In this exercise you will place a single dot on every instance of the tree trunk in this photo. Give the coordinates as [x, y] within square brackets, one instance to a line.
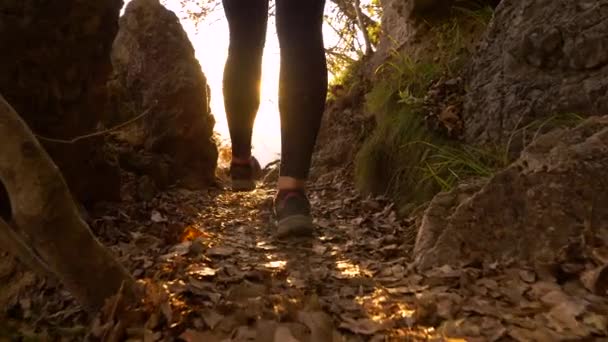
[46, 230]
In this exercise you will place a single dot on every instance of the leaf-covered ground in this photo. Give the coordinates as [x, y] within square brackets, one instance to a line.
[215, 273]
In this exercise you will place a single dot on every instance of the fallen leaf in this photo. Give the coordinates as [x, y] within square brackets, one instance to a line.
[283, 334]
[201, 271]
[244, 333]
[364, 326]
[220, 251]
[597, 322]
[320, 324]
[165, 308]
[157, 217]
[563, 316]
[596, 280]
[191, 335]
[246, 290]
[406, 289]
[211, 318]
[177, 250]
[554, 298]
[319, 249]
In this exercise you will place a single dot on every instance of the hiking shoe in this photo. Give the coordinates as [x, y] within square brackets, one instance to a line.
[244, 175]
[292, 211]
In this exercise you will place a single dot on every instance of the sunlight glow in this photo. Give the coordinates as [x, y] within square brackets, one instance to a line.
[210, 41]
[349, 270]
[377, 304]
[278, 264]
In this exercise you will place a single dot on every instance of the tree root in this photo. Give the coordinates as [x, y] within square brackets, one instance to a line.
[46, 231]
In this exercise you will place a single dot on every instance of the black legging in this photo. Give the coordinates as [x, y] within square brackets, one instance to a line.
[302, 82]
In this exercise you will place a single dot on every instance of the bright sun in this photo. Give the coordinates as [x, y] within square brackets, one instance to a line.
[210, 41]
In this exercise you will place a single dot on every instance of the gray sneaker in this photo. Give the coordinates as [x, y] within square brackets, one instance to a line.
[244, 176]
[292, 211]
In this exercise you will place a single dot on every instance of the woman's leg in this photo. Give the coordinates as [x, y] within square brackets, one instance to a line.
[303, 85]
[302, 95]
[247, 21]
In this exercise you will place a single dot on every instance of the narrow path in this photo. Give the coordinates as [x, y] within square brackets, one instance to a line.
[230, 276]
[214, 272]
[230, 280]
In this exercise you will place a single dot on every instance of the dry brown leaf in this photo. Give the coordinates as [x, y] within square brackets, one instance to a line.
[198, 336]
[363, 326]
[201, 271]
[401, 290]
[319, 249]
[563, 317]
[596, 280]
[180, 249]
[244, 333]
[220, 251]
[554, 298]
[211, 318]
[165, 308]
[157, 217]
[598, 323]
[283, 334]
[527, 276]
[246, 290]
[320, 324]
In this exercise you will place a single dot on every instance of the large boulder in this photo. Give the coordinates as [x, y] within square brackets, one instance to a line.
[54, 66]
[556, 193]
[156, 69]
[540, 58]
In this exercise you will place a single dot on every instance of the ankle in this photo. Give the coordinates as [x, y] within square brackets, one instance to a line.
[241, 160]
[290, 183]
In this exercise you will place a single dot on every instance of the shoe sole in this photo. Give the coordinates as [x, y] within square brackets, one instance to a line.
[243, 185]
[295, 226]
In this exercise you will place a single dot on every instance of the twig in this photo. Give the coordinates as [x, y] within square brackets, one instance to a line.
[96, 134]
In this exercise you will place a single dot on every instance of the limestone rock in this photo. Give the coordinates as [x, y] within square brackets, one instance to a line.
[54, 66]
[531, 210]
[539, 58]
[155, 65]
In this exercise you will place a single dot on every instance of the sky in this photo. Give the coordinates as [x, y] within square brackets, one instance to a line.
[210, 41]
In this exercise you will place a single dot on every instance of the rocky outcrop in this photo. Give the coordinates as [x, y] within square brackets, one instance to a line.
[410, 27]
[556, 193]
[54, 66]
[539, 58]
[156, 68]
[401, 30]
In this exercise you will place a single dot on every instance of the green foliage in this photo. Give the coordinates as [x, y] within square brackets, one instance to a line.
[404, 83]
[402, 158]
[449, 164]
[389, 164]
[349, 76]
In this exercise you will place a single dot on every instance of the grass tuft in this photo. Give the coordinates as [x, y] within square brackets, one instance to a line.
[402, 158]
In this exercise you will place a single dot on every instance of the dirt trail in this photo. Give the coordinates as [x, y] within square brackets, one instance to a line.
[228, 279]
[232, 276]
